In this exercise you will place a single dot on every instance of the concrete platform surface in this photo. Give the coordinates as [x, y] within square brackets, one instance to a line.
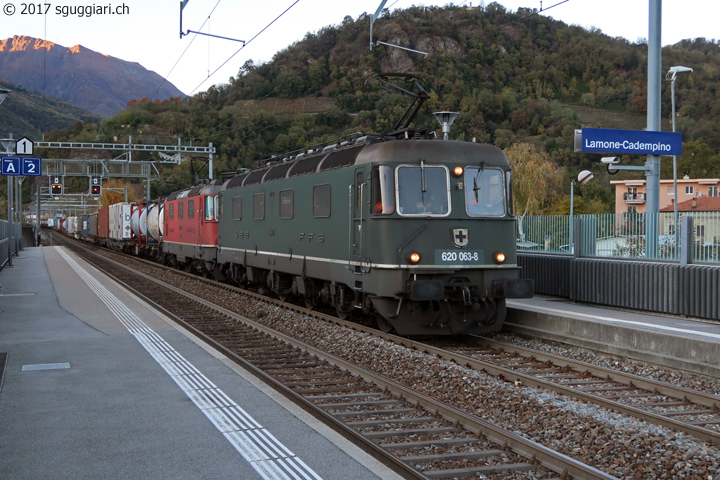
[98, 385]
[676, 342]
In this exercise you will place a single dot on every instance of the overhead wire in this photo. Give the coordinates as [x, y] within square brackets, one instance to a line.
[376, 53]
[244, 45]
[290, 78]
[185, 51]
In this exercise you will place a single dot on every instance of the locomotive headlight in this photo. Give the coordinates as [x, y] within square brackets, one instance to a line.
[458, 171]
[499, 257]
[414, 258]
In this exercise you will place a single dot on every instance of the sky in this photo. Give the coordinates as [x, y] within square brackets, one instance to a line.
[148, 31]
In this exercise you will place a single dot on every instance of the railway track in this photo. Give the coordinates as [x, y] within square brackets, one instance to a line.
[414, 434]
[681, 409]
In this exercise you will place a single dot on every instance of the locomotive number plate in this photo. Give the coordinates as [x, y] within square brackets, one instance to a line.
[458, 257]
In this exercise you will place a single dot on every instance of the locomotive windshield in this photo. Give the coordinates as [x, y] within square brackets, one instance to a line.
[423, 190]
[484, 191]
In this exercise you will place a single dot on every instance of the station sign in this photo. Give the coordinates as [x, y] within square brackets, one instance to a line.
[628, 142]
[22, 166]
[24, 146]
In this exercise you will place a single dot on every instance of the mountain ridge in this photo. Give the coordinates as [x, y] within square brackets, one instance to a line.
[94, 81]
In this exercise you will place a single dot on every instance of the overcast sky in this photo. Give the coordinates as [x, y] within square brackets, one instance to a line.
[147, 31]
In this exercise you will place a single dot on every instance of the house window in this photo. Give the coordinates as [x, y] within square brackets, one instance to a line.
[689, 190]
[259, 206]
[632, 209]
[237, 208]
[713, 191]
[321, 201]
[191, 208]
[700, 231]
[287, 206]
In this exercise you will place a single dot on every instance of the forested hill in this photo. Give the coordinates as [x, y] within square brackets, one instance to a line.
[514, 77]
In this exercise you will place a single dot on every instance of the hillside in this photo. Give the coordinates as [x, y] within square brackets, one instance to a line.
[514, 78]
[99, 83]
[24, 113]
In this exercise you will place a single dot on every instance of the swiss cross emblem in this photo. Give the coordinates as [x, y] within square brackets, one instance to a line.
[460, 237]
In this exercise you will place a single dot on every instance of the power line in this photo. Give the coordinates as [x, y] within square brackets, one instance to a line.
[244, 45]
[376, 54]
[186, 49]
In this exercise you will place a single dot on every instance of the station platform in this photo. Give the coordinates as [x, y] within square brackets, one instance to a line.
[96, 384]
[682, 343]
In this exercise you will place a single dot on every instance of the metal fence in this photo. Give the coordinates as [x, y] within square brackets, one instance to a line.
[9, 245]
[694, 238]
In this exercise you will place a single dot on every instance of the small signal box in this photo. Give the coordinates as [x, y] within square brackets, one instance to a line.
[56, 189]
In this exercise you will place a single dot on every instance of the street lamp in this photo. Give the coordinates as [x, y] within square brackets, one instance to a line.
[583, 177]
[672, 73]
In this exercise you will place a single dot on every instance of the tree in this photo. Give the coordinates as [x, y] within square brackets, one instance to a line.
[536, 180]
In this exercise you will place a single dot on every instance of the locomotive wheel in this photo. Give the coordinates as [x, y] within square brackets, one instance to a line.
[383, 324]
[283, 296]
[342, 314]
[309, 302]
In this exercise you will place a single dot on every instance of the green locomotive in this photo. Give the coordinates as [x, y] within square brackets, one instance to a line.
[418, 232]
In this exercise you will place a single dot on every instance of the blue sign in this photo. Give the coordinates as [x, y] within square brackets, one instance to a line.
[27, 166]
[631, 142]
[31, 166]
[10, 165]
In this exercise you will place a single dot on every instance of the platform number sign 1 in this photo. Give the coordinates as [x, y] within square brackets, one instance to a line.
[24, 146]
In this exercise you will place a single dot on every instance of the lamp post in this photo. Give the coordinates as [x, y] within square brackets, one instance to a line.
[672, 73]
[583, 177]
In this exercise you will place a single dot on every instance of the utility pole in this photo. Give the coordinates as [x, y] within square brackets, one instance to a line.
[653, 125]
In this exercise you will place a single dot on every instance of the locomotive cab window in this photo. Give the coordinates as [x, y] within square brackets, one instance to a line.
[259, 206]
[286, 204]
[321, 201]
[210, 208]
[237, 208]
[191, 208]
[484, 191]
[383, 190]
[423, 190]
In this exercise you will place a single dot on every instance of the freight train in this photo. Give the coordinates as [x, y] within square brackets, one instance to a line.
[415, 231]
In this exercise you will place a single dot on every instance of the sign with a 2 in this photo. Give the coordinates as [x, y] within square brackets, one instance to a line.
[23, 166]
